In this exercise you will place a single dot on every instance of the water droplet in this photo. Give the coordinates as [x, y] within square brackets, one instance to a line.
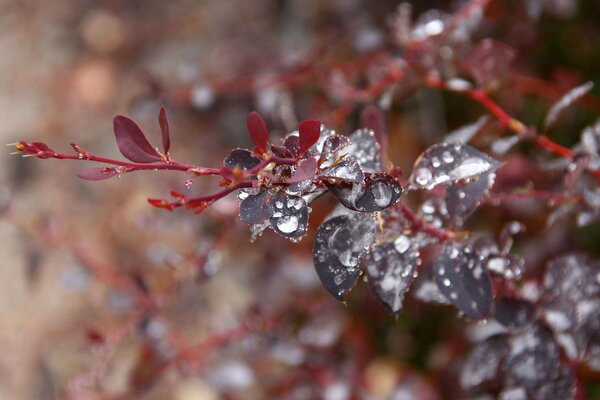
[435, 162]
[423, 176]
[288, 224]
[402, 243]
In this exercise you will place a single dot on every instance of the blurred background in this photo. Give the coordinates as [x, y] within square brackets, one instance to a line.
[100, 292]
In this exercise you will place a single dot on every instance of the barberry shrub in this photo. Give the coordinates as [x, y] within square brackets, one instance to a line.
[410, 235]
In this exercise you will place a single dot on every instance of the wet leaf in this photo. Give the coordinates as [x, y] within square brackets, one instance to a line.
[305, 171]
[533, 358]
[309, 133]
[373, 119]
[365, 149]
[565, 102]
[254, 208]
[462, 199]
[482, 367]
[257, 129]
[164, 128]
[378, 192]
[132, 142]
[561, 387]
[341, 243]
[347, 170]
[512, 312]
[98, 174]
[489, 62]
[462, 278]
[331, 148]
[391, 268]
[288, 215]
[242, 159]
[449, 163]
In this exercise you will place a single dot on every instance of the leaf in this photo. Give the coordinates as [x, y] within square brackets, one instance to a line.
[288, 215]
[565, 102]
[305, 171]
[331, 147]
[254, 208]
[257, 128]
[482, 365]
[365, 149]
[340, 245]
[378, 192]
[98, 174]
[347, 170]
[449, 163]
[132, 142]
[242, 159]
[164, 128]
[391, 268]
[533, 358]
[463, 280]
[489, 62]
[463, 199]
[309, 133]
[512, 312]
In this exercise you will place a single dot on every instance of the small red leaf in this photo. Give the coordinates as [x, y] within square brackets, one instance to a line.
[257, 128]
[310, 130]
[164, 127]
[372, 118]
[132, 142]
[161, 203]
[98, 174]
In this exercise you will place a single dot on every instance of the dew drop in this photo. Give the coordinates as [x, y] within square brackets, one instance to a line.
[402, 243]
[288, 224]
[423, 176]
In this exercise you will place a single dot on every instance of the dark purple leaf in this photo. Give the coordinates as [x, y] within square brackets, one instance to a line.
[309, 133]
[254, 208]
[346, 170]
[242, 159]
[257, 129]
[340, 245]
[281, 151]
[391, 268]
[98, 174]
[291, 143]
[331, 147]
[533, 358]
[378, 192]
[482, 367]
[449, 163]
[561, 387]
[288, 215]
[132, 142]
[164, 128]
[512, 312]
[305, 171]
[462, 199]
[462, 278]
[489, 62]
[365, 149]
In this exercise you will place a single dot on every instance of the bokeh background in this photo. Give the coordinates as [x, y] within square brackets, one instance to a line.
[75, 255]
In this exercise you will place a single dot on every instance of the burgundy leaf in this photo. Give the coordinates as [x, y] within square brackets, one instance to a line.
[132, 142]
[257, 128]
[310, 130]
[306, 170]
[98, 174]
[164, 127]
[340, 245]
